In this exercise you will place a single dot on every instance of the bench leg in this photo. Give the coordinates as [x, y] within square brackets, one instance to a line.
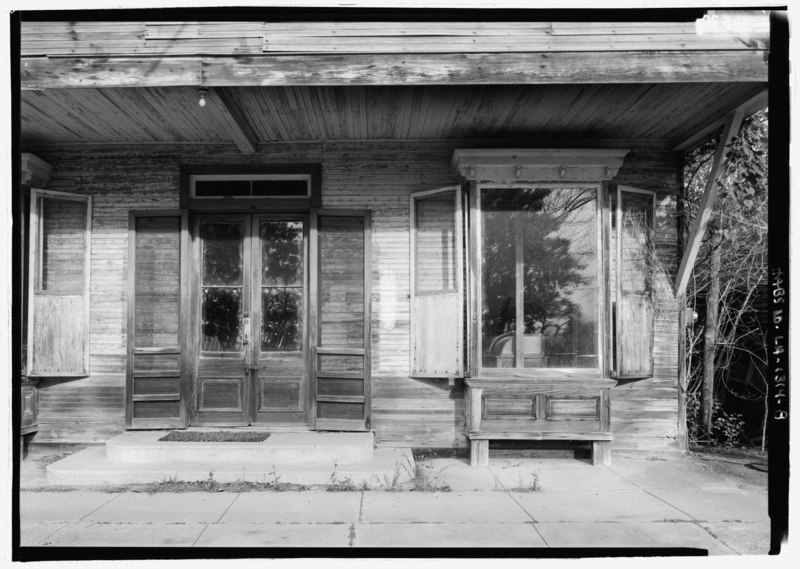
[479, 453]
[601, 453]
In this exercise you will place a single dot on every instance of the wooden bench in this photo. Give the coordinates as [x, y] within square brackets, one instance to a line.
[551, 408]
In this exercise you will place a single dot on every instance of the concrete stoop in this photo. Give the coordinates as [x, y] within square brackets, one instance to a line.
[308, 458]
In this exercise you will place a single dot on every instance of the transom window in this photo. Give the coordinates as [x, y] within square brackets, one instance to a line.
[539, 252]
[251, 186]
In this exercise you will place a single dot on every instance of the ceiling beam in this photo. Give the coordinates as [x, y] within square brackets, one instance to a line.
[38, 73]
[233, 120]
[750, 106]
[720, 163]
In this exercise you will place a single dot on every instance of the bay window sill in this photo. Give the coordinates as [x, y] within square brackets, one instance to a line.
[532, 374]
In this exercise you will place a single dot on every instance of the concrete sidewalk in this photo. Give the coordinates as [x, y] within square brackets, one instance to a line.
[536, 503]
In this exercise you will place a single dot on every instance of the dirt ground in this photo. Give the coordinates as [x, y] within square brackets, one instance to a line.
[747, 466]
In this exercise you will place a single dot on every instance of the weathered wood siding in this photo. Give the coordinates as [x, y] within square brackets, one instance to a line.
[377, 176]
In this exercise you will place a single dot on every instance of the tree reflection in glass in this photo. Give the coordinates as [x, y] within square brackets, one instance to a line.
[545, 239]
[222, 244]
[222, 315]
[281, 286]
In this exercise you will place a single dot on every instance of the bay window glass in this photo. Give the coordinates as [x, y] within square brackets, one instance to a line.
[539, 277]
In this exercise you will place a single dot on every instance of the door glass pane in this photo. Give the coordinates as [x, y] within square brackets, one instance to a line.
[222, 253]
[281, 253]
[222, 243]
[539, 259]
[281, 319]
[222, 317]
[282, 283]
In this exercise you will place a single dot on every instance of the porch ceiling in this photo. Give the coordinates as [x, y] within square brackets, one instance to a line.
[664, 113]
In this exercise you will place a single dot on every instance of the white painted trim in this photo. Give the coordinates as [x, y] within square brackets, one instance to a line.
[562, 165]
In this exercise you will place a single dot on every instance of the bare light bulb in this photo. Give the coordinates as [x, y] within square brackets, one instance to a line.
[202, 92]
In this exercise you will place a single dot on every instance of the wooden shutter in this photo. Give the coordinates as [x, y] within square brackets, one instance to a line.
[58, 307]
[339, 319]
[634, 316]
[158, 253]
[437, 292]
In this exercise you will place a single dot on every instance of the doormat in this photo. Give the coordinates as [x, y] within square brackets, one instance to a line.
[215, 437]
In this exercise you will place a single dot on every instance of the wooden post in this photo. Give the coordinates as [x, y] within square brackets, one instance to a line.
[475, 408]
[479, 448]
[519, 308]
[479, 452]
[683, 441]
[601, 453]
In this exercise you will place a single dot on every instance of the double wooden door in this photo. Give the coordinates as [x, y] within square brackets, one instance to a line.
[250, 318]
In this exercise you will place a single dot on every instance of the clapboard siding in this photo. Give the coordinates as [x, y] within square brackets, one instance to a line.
[377, 176]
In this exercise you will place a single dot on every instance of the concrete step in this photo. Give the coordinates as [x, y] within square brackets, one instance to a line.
[91, 467]
[137, 447]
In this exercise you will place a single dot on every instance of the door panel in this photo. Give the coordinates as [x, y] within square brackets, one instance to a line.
[222, 390]
[280, 295]
[340, 320]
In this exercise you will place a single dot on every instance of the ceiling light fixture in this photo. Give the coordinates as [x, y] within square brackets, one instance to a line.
[202, 91]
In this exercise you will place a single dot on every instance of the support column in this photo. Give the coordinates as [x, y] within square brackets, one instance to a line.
[601, 453]
[479, 452]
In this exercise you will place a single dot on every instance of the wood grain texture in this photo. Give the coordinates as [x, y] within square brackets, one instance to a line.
[628, 67]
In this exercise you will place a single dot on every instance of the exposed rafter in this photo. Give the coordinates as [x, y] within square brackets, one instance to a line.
[732, 125]
[233, 119]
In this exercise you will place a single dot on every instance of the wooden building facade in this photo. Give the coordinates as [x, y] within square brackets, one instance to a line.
[444, 232]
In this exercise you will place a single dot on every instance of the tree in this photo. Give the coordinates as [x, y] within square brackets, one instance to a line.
[730, 273]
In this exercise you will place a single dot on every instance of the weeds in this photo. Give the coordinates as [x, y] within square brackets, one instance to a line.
[428, 480]
[276, 483]
[533, 485]
[391, 482]
[210, 484]
[340, 484]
